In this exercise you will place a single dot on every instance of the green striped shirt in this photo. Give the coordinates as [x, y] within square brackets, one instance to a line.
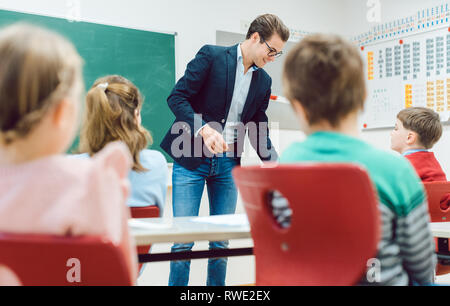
[404, 209]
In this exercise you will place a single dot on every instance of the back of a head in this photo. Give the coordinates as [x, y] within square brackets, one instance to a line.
[325, 73]
[39, 68]
[425, 122]
[113, 105]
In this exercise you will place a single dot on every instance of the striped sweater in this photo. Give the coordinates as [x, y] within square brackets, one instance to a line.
[406, 248]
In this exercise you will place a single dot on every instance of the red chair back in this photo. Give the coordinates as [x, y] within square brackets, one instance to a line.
[145, 212]
[142, 213]
[436, 191]
[44, 260]
[334, 227]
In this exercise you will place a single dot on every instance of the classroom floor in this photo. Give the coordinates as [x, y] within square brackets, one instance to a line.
[240, 271]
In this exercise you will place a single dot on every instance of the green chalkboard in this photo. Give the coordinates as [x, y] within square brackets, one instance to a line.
[145, 58]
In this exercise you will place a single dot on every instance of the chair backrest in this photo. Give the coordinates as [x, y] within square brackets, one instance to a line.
[436, 192]
[145, 212]
[334, 228]
[42, 260]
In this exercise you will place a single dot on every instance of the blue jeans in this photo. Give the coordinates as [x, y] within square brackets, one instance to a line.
[187, 192]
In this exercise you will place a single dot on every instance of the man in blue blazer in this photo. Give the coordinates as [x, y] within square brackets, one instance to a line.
[223, 95]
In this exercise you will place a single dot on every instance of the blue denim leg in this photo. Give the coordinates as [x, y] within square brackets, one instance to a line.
[217, 267]
[222, 194]
[187, 190]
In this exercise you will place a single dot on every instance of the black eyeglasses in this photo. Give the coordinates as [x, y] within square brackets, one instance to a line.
[272, 52]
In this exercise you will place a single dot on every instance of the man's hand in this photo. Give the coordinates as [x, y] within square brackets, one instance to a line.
[213, 140]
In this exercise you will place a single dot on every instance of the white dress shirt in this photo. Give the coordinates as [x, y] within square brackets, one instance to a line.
[240, 93]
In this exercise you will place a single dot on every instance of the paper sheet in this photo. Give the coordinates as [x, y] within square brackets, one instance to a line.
[231, 220]
[137, 224]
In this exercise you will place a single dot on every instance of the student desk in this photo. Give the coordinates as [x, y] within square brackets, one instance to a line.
[189, 229]
[211, 228]
[440, 229]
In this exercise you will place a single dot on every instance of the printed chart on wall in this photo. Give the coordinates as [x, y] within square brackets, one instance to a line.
[408, 64]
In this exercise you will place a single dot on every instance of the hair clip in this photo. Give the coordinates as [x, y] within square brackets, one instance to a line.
[103, 86]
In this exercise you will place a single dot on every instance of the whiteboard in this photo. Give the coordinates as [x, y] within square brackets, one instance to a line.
[410, 70]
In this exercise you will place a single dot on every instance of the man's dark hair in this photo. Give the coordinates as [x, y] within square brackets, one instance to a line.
[267, 25]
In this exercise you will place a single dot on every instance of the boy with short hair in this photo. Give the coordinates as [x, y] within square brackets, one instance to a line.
[416, 131]
[324, 80]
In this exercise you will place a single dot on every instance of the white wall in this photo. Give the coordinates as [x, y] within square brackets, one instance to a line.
[357, 23]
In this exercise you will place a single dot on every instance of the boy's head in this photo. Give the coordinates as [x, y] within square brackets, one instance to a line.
[324, 79]
[416, 128]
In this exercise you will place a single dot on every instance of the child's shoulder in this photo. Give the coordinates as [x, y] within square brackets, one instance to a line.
[152, 154]
[397, 182]
[153, 157]
[293, 152]
[386, 160]
[114, 157]
[373, 158]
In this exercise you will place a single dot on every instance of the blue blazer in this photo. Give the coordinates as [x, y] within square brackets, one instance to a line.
[203, 95]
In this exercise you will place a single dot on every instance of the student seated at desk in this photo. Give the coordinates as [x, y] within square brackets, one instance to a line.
[416, 131]
[324, 80]
[113, 113]
[41, 190]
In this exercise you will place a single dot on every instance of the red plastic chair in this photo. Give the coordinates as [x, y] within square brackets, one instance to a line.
[142, 213]
[44, 260]
[436, 191]
[145, 212]
[334, 229]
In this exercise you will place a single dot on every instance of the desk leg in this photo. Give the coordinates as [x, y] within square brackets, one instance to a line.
[443, 245]
[443, 253]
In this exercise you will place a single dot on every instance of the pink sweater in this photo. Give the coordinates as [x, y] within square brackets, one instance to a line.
[67, 196]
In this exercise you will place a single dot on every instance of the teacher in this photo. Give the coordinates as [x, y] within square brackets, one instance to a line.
[223, 95]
